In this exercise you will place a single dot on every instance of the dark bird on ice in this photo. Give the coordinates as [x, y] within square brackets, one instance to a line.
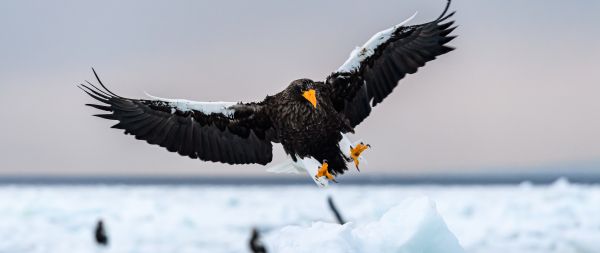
[256, 245]
[309, 118]
[100, 234]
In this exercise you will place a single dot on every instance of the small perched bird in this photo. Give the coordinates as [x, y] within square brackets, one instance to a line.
[100, 234]
[309, 118]
[256, 245]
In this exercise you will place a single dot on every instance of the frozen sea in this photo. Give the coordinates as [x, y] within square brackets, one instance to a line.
[560, 217]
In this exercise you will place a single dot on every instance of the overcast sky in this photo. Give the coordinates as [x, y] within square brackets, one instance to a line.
[522, 90]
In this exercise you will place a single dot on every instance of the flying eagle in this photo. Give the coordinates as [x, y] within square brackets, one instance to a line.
[309, 118]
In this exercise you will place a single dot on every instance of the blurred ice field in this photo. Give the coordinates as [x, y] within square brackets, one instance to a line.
[561, 217]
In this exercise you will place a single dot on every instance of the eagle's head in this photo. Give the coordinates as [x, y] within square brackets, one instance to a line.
[305, 90]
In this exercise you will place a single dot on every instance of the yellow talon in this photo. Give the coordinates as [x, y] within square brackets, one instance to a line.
[356, 151]
[324, 172]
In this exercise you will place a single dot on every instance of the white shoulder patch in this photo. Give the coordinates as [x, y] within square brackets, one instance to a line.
[359, 54]
[204, 107]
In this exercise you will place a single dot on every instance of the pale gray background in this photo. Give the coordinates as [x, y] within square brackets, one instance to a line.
[520, 93]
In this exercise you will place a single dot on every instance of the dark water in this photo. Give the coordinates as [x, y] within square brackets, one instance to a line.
[463, 179]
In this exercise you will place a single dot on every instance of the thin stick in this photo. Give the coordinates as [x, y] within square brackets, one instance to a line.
[335, 211]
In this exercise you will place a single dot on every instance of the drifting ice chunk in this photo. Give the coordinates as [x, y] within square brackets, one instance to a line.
[412, 226]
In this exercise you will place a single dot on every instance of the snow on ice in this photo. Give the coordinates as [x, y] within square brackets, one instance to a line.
[414, 225]
[526, 218]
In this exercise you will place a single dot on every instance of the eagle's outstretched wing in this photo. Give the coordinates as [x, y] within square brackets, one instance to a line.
[373, 70]
[233, 133]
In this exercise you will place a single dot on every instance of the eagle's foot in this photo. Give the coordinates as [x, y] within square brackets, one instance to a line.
[324, 172]
[356, 151]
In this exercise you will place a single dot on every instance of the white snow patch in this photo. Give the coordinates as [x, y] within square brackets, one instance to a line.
[359, 54]
[414, 225]
[204, 107]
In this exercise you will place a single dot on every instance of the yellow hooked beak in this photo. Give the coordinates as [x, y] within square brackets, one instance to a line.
[311, 96]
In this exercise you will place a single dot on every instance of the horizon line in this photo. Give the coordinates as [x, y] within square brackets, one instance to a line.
[433, 179]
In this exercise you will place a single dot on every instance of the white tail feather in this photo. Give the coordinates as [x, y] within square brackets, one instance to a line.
[311, 166]
[286, 167]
